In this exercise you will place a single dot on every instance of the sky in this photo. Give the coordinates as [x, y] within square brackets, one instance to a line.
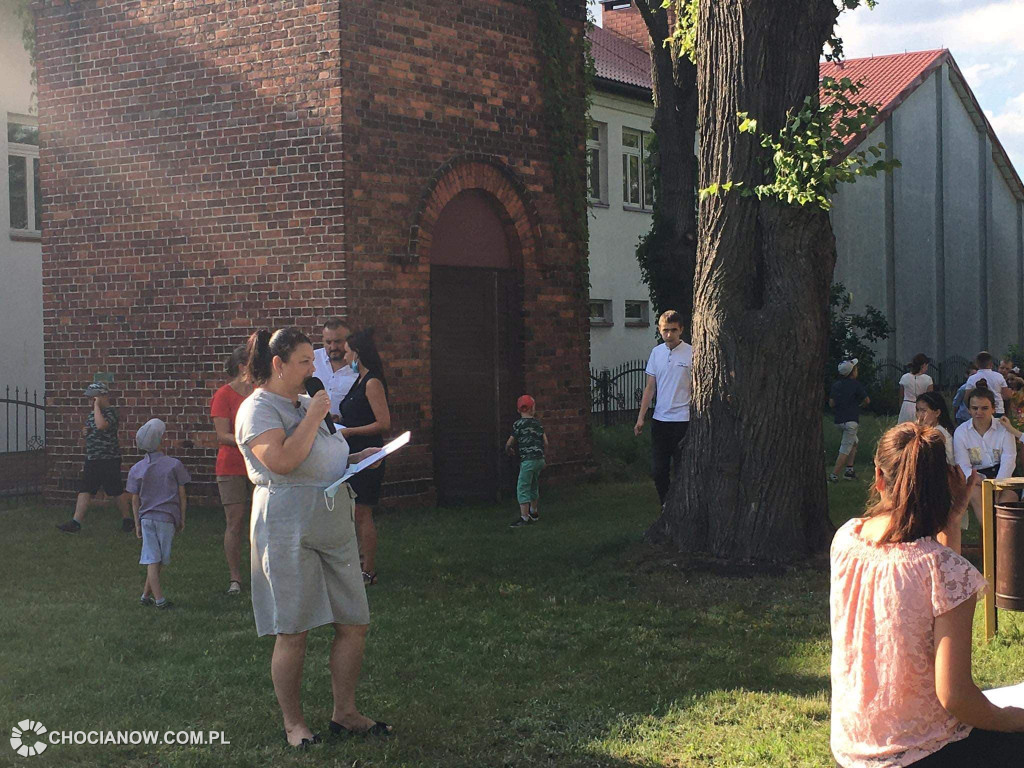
[985, 38]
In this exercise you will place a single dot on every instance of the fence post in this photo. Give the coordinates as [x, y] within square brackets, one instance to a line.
[605, 394]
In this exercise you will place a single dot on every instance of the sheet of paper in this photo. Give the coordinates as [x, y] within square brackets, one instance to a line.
[387, 450]
[1010, 696]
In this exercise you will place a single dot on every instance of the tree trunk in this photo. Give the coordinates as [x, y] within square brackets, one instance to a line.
[671, 252]
[750, 485]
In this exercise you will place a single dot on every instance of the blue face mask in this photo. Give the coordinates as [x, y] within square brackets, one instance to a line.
[355, 366]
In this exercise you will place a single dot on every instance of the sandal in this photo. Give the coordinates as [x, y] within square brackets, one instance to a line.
[305, 743]
[234, 587]
[369, 579]
[379, 728]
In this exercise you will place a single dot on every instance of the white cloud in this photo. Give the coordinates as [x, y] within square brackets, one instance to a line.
[1009, 122]
[976, 74]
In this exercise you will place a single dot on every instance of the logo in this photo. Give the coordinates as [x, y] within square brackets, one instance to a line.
[23, 734]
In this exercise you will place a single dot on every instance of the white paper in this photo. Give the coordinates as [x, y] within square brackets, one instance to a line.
[387, 450]
[1010, 696]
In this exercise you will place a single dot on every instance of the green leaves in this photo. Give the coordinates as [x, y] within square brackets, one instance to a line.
[808, 156]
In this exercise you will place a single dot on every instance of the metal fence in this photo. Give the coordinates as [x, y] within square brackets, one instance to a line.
[947, 374]
[615, 393]
[22, 446]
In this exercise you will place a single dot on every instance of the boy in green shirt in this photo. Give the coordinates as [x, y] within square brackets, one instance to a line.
[529, 435]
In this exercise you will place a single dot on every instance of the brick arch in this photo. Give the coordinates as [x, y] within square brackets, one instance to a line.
[477, 173]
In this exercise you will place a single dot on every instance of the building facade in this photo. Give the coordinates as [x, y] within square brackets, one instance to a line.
[218, 168]
[21, 207]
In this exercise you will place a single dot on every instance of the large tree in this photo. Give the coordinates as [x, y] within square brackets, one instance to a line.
[750, 484]
[668, 253]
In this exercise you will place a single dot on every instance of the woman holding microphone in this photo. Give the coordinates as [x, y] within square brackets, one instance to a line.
[305, 561]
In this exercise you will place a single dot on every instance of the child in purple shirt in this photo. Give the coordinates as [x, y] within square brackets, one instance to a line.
[157, 485]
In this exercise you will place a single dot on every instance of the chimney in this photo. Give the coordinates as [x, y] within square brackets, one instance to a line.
[623, 18]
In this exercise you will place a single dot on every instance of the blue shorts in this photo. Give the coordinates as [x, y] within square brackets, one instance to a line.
[157, 536]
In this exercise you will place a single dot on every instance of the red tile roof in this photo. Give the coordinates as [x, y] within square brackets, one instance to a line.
[619, 59]
[888, 80]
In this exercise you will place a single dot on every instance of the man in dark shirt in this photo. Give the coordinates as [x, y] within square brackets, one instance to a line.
[102, 461]
[847, 397]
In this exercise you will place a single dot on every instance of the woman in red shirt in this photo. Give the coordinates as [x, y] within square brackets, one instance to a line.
[232, 481]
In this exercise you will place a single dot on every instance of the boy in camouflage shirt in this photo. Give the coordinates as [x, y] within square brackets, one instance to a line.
[528, 435]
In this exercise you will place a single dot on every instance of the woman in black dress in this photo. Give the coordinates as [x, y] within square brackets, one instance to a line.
[365, 416]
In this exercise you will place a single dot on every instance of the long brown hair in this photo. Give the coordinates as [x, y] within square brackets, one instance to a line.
[917, 480]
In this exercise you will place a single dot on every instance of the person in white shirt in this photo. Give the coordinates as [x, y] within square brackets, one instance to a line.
[993, 380]
[330, 367]
[915, 382]
[669, 369]
[984, 445]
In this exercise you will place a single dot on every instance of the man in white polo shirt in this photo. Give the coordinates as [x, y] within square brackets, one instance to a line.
[329, 364]
[668, 378]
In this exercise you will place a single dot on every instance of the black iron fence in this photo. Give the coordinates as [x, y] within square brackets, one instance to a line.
[22, 446]
[615, 393]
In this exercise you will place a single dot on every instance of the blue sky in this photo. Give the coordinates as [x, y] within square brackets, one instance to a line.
[985, 38]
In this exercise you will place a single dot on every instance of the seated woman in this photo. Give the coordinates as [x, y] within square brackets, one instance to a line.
[984, 445]
[305, 563]
[902, 608]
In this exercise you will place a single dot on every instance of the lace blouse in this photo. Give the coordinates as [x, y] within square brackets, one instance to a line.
[884, 599]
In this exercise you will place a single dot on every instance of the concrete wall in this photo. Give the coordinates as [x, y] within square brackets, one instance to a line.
[21, 301]
[614, 233]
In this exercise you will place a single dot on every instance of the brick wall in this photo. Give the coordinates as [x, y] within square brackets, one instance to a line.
[215, 166]
[627, 22]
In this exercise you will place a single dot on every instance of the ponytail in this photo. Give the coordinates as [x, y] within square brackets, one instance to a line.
[917, 478]
[258, 358]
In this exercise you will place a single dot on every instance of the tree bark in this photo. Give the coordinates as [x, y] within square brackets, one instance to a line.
[750, 483]
[672, 248]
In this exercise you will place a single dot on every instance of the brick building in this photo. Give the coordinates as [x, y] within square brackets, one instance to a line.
[212, 166]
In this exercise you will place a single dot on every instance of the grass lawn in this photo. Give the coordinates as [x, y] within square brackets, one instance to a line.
[568, 643]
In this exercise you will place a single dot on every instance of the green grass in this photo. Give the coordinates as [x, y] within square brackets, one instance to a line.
[569, 643]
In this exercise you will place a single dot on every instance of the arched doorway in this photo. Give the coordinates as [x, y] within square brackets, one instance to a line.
[476, 346]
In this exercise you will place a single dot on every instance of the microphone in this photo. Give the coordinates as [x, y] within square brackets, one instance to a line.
[314, 385]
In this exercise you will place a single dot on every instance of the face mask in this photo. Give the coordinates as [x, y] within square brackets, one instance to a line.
[355, 366]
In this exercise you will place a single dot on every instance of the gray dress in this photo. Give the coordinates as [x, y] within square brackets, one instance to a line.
[304, 557]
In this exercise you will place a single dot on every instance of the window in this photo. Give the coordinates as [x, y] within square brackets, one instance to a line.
[596, 183]
[636, 313]
[637, 180]
[26, 200]
[600, 312]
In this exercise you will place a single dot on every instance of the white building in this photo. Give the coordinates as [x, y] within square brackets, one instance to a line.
[21, 287]
[937, 245]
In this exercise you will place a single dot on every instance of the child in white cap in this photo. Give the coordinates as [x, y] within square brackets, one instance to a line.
[846, 398]
[157, 485]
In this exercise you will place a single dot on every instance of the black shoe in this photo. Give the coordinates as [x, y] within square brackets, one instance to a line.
[146, 600]
[165, 605]
[305, 743]
[849, 474]
[127, 525]
[534, 518]
[520, 522]
[71, 526]
[379, 728]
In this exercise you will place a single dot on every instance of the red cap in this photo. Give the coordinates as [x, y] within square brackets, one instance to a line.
[525, 403]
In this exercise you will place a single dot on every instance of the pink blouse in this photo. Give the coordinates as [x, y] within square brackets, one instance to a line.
[884, 600]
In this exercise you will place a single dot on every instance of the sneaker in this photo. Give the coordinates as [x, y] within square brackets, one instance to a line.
[519, 523]
[127, 525]
[165, 605]
[849, 474]
[147, 600]
[832, 478]
[71, 526]
[534, 518]
[235, 588]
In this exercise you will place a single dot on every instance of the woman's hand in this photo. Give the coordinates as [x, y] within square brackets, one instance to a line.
[319, 406]
[1005, 421]
[355, 458]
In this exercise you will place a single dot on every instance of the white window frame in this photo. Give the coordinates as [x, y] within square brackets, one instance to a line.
[606, 318]
[639, 154]
[31, 154]
[644, 320]
[597, 141]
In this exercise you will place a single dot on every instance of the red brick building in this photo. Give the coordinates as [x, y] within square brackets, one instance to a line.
[212, 166]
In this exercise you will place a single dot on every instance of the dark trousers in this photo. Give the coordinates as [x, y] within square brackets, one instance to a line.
[665, 438]
[982, 748]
